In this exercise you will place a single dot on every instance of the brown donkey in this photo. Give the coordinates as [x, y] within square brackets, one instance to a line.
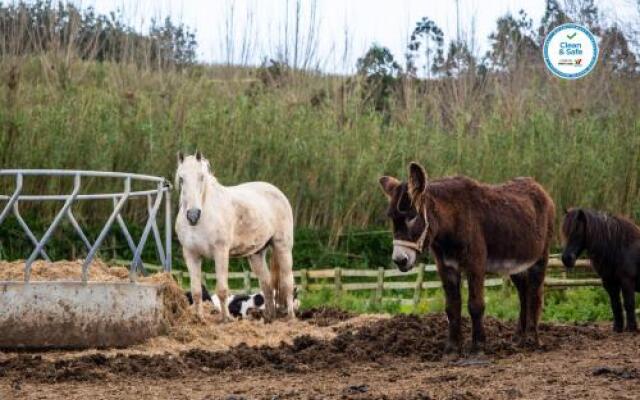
[476, 228]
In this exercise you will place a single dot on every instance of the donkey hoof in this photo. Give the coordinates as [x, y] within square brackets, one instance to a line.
[452, 348]
[477, 349]
[632, 329]
[618, 328]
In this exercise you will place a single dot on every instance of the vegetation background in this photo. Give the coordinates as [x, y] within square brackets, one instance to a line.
[87, 91]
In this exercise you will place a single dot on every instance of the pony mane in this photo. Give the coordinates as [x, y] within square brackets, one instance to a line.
[606, 235]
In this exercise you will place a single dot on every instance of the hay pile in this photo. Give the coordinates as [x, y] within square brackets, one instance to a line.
[41, 270]
[183, 330]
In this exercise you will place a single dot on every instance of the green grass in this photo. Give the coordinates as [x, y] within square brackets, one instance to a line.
[570, 305]
[326, 155]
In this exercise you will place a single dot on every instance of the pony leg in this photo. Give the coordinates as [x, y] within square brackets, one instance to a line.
[222, 281]
[629, 299]
[194, 265]
[284, 259]
[258, 265]
[613, 289]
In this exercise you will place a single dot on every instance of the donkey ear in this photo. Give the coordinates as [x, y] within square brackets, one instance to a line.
[565, 211]
[198, 155]
[180, 157]
[388, 184]
[417, 180]
[581, 215]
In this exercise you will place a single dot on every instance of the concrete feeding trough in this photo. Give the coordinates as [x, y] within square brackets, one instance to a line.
[78, 315]
[82, 313]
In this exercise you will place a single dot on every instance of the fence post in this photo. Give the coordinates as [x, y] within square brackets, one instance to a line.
[337, 280]
[208, 282]
[380, 287]
[247, 282]
[506, 286]
[304, 280]
[418, 290]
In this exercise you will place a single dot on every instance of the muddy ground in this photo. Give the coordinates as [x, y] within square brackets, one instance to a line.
[362, 358]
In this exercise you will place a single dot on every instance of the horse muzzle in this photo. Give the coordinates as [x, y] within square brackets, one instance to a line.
[569, 260]
[193, 216]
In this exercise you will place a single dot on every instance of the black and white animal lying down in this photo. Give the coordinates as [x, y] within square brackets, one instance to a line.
[239, 305]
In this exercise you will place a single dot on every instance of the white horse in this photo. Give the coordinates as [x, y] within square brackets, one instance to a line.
[219, 222]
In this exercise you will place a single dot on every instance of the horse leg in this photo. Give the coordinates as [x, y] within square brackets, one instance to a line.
[613, 289]
[535, 294]
[451, 283]
[629, 299]
[284, 259]
[221, 258]
[258, 265]
[194, 266]
[476, 309]
[520, 282]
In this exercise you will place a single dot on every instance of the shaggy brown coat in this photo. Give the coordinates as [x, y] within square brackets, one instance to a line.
[476, 228]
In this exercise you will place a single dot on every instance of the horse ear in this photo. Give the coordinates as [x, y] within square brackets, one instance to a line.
[388, 184]
[180, 157]
[417, 180]
[198, 155]
[581, 215]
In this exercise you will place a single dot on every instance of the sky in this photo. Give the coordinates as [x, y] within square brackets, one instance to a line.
[332, 33]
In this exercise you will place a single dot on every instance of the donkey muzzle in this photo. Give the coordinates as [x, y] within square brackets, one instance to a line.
[193, 216]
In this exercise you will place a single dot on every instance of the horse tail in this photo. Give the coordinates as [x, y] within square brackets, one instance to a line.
[274, 268]
[279, 291]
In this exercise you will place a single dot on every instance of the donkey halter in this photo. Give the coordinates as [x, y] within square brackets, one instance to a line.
[419, 244]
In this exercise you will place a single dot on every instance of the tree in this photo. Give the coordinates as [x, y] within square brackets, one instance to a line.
[379, 71]
[428, 36]
[513, 42]
[615, 52]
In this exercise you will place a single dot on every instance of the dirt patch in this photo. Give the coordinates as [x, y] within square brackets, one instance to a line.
[412, 338]
[324, 316]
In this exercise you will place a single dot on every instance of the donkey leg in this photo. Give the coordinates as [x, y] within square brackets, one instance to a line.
[535, 292]
[194, 265]
[284, 259]
[476, 310]
[258, 264]
[613, 289]
[221, 258]
[520, 282]
[629, 299]
[451, 283]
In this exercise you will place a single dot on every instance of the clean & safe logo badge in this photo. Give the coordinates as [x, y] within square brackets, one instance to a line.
[570, 51]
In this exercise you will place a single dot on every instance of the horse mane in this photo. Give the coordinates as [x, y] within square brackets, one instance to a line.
[606, 235]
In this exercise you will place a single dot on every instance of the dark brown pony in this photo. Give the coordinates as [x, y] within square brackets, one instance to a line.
[475, 228]
[613, 244]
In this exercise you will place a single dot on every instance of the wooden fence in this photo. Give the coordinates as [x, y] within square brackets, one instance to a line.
[380, 280]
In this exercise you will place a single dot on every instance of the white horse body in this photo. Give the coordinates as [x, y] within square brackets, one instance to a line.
[219, 222]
